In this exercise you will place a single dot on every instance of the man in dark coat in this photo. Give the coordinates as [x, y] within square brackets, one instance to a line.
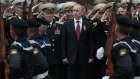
[77, 45]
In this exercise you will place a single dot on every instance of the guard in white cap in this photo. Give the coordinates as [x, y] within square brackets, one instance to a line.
[15, 10]
[59, 10]
[67, 7]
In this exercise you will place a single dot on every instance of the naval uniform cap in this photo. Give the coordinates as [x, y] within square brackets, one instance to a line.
[19, 23]
[59, 7]
[68, 5]
[2, 2]
[33, 23]
[18, 3]
[126, 1]
[137, 3]
[100, 1]
[109, 5]
[35, 1]
[124, 21]
[99, 7]
[48, 7]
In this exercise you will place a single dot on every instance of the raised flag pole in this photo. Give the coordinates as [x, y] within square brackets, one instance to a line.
[3, 52]
[110, 41]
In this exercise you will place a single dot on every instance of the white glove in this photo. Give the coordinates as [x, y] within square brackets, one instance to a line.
[105, 77]
[100, 53]
[105, 15]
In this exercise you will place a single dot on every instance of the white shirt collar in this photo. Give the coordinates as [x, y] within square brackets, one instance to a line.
[80, 20]
[51, 22]
[80, 23]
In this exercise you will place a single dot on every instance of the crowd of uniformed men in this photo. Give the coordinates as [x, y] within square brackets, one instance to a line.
[68, 40]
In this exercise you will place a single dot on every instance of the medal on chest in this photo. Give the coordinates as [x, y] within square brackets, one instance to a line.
[57, 31]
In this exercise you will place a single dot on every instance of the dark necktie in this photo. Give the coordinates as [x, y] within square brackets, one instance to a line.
[78, 30]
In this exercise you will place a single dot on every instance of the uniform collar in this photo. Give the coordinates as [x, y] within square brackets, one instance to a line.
[21, 39]
[34, 36]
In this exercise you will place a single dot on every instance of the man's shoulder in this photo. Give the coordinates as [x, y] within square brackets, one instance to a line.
[69, 21]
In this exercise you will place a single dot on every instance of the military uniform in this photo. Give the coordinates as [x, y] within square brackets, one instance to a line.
[123, 62]
[20, 52]
[100, 32]
[136, 42]
[54, 56]
[39, 60]
[123, 51]
[53, 32]
[11, 17]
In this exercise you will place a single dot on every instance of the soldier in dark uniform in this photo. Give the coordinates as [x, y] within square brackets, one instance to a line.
[54, 34]
[20, 52]
[122, 50]
[100, 34]
[14, 11]
[39, 60]
[136, 41]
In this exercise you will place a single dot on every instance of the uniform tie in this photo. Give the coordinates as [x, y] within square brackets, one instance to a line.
[78, 30]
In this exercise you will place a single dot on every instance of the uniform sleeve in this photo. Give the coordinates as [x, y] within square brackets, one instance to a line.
[63, 41]
[123, 64]
[14, 59]
[91, 43]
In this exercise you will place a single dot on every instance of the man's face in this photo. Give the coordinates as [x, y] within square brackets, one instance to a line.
[121, 10]
[49, 16]
[99, 16]
[69, 14]
[18, 10]
[61, 14]
[77, 11]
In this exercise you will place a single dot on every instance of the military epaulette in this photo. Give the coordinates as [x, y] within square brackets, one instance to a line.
[20, 45]
[59, 22]
[132, 49]
[56, 15]
[9, 18]
[94, 24]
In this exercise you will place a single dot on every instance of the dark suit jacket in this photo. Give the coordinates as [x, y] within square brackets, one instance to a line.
[54, 55]
[74, 49]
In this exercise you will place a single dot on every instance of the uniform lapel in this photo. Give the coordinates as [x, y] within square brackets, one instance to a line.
[73, 28]
[51, 29]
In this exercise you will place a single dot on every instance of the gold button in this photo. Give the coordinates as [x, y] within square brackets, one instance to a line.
[53, 49]
[52, 39]
[52, 44]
